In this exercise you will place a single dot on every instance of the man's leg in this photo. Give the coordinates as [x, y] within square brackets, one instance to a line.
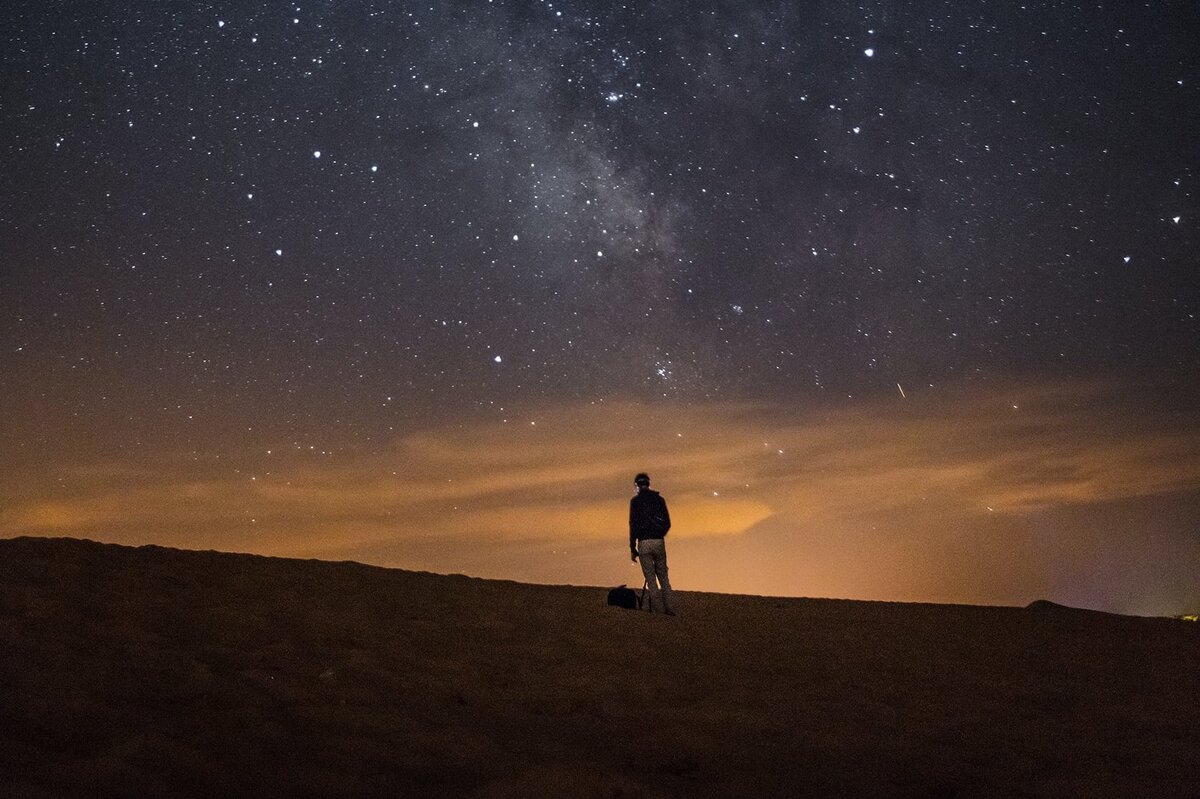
[647, 559]
[654, 567]
[660, 571]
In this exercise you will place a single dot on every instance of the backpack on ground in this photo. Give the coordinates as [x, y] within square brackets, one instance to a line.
[623, 597]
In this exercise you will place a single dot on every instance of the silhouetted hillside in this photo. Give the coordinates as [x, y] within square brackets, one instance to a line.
[150, 671]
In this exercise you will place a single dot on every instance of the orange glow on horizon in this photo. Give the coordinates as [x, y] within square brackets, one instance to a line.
[877, 500]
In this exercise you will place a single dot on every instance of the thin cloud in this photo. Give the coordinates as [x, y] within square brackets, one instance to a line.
[917, 468]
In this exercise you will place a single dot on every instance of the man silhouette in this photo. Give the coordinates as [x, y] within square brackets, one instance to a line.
[649, 522]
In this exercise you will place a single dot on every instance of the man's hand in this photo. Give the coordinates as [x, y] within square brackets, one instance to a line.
[633, 555]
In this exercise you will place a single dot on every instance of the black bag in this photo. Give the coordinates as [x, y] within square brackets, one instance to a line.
[623, 597]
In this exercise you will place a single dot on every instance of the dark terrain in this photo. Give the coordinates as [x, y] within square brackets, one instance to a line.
[155, 672]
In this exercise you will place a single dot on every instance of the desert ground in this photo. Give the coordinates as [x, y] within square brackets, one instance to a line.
[158, 672]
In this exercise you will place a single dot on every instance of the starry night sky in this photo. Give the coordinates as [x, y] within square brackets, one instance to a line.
[309, 263]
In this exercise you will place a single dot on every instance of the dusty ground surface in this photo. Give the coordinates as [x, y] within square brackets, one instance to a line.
[154, 672]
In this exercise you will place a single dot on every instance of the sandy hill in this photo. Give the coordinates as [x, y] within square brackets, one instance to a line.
[156, 672]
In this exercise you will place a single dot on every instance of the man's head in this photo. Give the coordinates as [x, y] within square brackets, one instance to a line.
[642, 480]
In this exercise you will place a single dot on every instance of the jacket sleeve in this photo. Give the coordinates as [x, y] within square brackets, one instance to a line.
[666, 516]
[632, 534]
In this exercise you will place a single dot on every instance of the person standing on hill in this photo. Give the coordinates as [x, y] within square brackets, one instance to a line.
[649, 522]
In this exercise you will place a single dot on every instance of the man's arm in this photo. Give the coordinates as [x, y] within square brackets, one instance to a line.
[666, 514]
[633, 553]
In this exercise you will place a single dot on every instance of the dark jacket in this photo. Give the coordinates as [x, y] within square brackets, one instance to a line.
[648, 516]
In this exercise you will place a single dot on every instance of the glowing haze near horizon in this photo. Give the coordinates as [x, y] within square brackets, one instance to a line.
[895, 301]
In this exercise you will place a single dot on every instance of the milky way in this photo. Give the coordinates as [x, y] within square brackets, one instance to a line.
[319, 227]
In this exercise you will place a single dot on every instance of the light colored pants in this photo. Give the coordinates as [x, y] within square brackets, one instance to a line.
[652, 553]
